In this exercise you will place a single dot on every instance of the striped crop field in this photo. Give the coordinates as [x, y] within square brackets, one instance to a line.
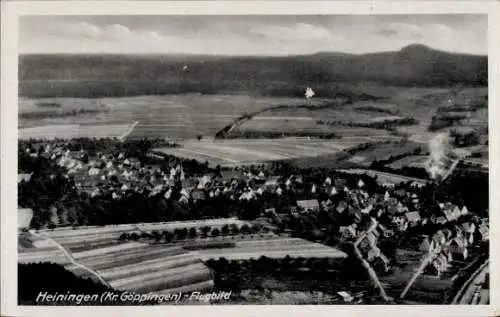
[277, 247]
[161, 268]
[95, 235]
[35, 255]
[306, 120]
[337, 114]
[130, 266]
[171, 117]
[235, 151]
[71, 131]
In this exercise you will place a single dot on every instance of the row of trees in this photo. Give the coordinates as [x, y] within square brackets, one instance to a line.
[444, 121]
[464, 139]
[36, 115]
[192, 233]
[385, 125]
[393, 158]
[248, 134]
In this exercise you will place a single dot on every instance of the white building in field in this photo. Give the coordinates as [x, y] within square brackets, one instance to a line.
[24, 216]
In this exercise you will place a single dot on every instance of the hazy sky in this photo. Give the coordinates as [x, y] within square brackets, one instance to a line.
[250, 35]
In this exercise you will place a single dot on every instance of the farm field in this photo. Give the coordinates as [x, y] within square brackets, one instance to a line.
[250, 151]
[305, 120]
[382, 152]
[172, 116]
[410, 161]
[158, 268]
[383, 177]
[70, 131]
[131, 266]
[275, 247]
[90, 234]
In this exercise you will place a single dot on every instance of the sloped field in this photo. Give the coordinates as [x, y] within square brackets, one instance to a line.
[71, 131]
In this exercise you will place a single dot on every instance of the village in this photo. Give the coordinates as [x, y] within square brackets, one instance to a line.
[407, 240]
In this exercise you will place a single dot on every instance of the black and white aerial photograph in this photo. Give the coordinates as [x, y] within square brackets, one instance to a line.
[253, 160]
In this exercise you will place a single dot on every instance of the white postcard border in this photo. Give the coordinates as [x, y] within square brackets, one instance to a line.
[8, 142]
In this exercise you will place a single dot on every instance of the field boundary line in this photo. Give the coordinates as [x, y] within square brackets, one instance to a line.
[123, 136]
[70, 257]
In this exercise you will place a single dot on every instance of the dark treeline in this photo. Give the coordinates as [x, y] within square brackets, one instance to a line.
[299, 274]
[92, 146]
[58, 113]
[444, 121]
[461, 139]
[378, 109]
[385, 124]
[276, 135]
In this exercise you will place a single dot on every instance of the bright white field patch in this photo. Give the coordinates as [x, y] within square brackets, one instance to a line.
[385, 118]
[227, 152]
[71, 131]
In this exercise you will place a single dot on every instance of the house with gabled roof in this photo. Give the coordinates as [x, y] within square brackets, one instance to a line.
[311, 205]
[439, 238]
[23, 177]
[24, 216]
[347, 233]
[341, 206]
[198, 194]
[458, 248]
[482, 233]
[413, 217]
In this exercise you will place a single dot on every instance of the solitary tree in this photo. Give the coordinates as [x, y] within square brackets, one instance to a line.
[225, 229]
[235, 229]
[193, 233]
[215, 232]
[205, 230]
[134, 236]
[156, 235]
[256, 228]
[168, 236]
[199, 137]
[183, 233]
[245, 228]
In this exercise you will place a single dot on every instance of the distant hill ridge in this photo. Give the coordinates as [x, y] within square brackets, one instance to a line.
[413, 65]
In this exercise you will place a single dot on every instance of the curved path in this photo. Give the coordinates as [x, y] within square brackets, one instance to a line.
[70, 257]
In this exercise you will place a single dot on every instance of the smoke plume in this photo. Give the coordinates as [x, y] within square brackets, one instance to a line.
[439, 149]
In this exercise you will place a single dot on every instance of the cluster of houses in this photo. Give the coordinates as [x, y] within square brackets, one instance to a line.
[367, 244]
[445, 246]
